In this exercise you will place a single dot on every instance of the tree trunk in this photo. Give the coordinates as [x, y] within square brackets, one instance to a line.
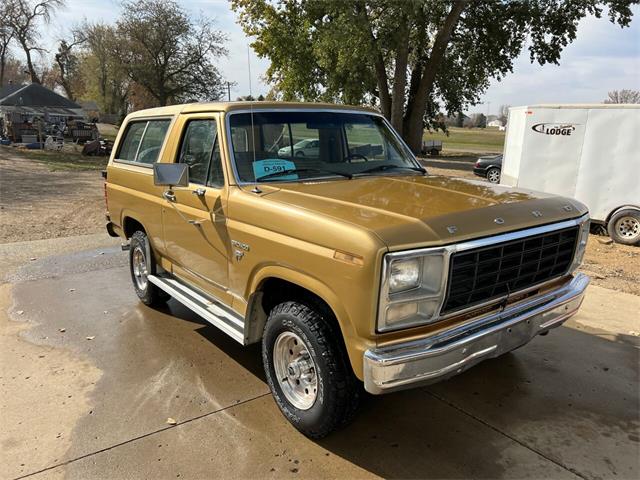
[30, 67]
[400, 76]
[378, 63]
[414, 121]
[3, 62]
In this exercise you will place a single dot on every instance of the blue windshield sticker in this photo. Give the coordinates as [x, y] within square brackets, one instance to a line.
[262, 168]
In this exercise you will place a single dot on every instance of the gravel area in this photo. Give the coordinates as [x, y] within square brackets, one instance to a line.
[38, 201]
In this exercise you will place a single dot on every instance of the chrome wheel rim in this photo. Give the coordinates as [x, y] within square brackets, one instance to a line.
[493, 176]
[628, 227]
[139, 263]
[295, 370]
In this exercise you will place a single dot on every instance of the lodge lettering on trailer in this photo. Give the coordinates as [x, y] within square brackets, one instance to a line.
[565, 129]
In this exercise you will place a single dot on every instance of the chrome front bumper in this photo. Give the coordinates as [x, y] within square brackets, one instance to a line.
[448, 353]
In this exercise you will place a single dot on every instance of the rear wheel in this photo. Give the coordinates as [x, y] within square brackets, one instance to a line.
[624, 227]
[493, 175]
[142, 264]
[308, 370]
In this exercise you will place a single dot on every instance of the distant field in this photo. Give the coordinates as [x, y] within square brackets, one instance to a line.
[470, 140]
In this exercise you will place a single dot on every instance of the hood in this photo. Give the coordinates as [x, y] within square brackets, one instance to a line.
[407, 211]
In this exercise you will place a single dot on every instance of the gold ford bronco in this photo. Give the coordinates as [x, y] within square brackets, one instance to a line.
[314, 230]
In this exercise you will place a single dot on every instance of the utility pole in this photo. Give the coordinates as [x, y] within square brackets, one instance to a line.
[229, 90]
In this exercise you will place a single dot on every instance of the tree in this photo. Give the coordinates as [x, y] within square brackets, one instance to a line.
[103, 75]
[162, 49]
[503, 114]
[623, 96]
[6, 36]
[478, 120]
[69, 75]
[23, 17]
[411, 59]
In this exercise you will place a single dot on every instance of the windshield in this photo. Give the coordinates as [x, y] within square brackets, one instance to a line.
[291, 146]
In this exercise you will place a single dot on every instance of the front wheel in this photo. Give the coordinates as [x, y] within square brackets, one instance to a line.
[493, 175]
[308, 370]
[624, 227]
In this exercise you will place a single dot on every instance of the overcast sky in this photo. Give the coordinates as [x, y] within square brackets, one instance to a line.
[604, 57]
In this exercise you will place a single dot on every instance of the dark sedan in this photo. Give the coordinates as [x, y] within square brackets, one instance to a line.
[489, 167]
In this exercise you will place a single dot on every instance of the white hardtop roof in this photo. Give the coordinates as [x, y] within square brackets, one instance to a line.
[581, 105]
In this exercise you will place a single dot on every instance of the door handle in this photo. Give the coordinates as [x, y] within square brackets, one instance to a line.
[170, 196]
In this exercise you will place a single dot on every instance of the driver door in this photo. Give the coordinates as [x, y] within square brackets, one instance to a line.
[194, 219]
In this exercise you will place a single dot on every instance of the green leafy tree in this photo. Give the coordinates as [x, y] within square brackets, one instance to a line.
[410, 58]
[104, 79]
[162, 49]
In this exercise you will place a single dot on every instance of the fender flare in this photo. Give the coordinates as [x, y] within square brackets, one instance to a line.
[303, 280]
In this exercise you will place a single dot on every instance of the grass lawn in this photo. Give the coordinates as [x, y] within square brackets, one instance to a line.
[470, 140]
[66, 160]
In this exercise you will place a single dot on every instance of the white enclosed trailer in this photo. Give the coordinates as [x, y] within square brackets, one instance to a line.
[589, 152]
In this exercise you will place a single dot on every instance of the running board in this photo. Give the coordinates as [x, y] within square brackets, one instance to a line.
[213, 312]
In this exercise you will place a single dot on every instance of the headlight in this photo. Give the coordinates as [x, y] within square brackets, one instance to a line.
[413, 288]
[583, 236]
[404, 275]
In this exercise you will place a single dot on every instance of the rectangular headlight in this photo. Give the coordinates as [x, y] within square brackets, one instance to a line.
[413, 288]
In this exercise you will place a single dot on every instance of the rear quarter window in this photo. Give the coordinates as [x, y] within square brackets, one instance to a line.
[143, 140]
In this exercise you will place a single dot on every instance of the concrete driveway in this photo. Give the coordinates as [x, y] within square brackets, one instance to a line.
[89, 377]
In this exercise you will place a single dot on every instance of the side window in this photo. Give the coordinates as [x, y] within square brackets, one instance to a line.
[200, 151]
[365, 139]
[152, 141]
[143, 140]
[131, 141]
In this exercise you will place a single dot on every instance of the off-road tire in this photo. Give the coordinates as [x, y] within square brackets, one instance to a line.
[632, 218]
[339, 391]
[149, 295]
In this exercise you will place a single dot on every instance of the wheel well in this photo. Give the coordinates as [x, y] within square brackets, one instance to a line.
[131, 226]
[623, 207]
[274, 291]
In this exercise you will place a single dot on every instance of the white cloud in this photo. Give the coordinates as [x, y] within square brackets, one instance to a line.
[603, 57]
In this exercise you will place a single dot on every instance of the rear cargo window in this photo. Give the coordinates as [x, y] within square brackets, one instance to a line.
[143, 140]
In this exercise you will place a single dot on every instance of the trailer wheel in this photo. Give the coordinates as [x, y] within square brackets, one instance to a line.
[624, 227]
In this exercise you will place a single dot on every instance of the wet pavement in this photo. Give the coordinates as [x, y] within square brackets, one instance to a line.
[89, 377]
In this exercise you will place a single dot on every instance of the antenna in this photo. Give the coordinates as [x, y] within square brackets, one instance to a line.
[253, 132]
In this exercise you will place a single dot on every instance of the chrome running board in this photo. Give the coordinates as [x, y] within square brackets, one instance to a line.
[208, 308]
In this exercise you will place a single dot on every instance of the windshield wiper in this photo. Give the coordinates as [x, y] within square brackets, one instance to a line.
[298, 170]
[382, 168]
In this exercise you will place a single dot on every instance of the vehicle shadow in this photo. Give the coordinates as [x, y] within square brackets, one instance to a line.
[567, 401]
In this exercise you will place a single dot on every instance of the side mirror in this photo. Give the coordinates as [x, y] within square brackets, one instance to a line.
[171, 174]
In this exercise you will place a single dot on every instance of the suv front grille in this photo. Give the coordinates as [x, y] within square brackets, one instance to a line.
[482, 274]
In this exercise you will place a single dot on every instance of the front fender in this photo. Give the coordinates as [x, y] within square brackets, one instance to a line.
[356, 346]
